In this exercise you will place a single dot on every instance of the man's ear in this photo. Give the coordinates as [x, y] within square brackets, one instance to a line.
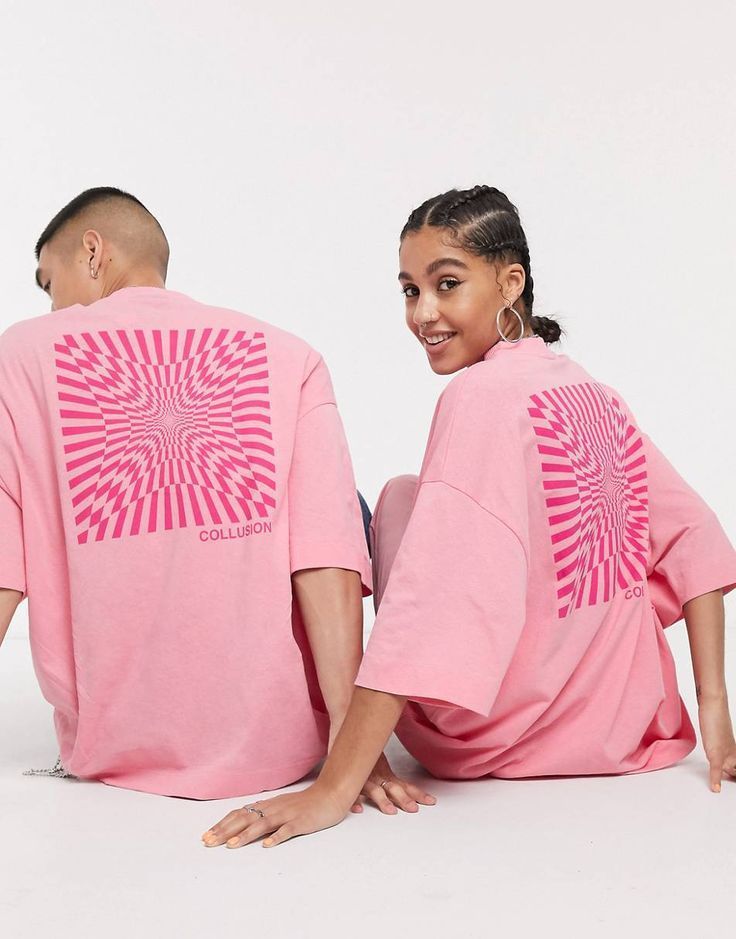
[92, 243]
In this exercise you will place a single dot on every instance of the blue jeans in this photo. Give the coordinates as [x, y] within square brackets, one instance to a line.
[366, 513]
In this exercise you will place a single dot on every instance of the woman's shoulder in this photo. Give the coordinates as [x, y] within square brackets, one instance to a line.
[475, 411]
[481, 398]
[473, 386]
[493, 400]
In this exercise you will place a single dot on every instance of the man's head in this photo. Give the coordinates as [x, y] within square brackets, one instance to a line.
[103, 240]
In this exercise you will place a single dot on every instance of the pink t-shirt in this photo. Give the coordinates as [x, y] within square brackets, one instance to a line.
[164, 467]
[549, 544]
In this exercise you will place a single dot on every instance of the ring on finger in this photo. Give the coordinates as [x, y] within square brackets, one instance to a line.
[384, 783]
[252, 808]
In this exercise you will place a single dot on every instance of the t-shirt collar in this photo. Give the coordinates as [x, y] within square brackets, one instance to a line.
[534, 345]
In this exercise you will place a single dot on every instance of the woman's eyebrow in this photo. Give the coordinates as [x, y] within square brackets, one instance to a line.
[432, 267]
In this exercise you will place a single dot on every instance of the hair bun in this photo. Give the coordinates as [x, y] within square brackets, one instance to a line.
[544, 326]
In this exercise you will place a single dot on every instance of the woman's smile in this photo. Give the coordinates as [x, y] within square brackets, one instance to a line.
[435, 343]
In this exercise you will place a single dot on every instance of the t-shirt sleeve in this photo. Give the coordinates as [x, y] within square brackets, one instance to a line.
[325, 519]
[690, 553]
[454, 605]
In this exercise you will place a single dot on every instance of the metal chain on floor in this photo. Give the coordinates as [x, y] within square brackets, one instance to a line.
[56, 770]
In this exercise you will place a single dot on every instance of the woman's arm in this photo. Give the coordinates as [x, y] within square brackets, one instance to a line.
[331, 604]
[368, 724]
[705, 618]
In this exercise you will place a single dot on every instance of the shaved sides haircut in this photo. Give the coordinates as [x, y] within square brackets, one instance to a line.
[119, 217]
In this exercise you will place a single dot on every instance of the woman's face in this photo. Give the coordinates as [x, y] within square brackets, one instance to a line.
[452, 298]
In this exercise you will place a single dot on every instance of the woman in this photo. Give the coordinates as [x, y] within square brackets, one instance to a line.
[525, 579]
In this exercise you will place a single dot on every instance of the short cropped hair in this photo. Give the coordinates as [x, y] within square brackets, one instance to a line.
[84, 200]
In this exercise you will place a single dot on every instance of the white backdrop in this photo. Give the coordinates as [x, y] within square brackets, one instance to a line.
[283, 148]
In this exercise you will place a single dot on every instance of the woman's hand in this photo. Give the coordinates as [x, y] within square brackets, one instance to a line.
[281, 818]
[716, 732]
[390, 793]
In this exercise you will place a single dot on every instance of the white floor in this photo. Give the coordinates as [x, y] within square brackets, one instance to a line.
[650, 854]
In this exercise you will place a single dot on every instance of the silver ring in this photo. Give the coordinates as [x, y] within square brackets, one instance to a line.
[384, 784]
[252, 808]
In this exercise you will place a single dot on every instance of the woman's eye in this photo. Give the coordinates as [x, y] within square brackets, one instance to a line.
[46, 288]
[406, 291]
[449, 280]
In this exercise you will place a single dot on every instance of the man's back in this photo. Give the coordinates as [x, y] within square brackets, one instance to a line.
[164, 467]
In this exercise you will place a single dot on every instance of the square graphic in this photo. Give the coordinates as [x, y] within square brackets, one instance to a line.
[595, 482]
[165, 429]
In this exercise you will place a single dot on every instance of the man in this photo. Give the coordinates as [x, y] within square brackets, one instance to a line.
[169, 471]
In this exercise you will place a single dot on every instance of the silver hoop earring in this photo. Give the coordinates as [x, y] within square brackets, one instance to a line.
[93, 274]
[510, 306]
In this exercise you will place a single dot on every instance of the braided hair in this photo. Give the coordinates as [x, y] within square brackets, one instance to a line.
[486, 223]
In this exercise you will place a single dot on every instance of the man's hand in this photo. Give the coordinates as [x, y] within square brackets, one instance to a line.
[389, 793]
[716, 732]
[383, 788]
[281, 818]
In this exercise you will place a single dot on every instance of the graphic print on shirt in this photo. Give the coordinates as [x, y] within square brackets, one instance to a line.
[595, 483]
[165, 429]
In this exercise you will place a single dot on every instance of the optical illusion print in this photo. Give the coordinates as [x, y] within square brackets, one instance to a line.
[165, 429]
[595, 480]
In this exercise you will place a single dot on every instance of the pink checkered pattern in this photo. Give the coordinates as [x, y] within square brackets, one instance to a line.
[165, 429]
[595, 484]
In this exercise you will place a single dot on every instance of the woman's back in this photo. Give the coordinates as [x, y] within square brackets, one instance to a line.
[549, 543]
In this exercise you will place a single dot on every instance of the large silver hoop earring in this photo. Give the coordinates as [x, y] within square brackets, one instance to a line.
[93, 274]
[510, 306]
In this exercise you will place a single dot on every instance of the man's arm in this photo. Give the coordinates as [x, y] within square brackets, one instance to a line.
[9, 601]
[330, 600]
[705, 620]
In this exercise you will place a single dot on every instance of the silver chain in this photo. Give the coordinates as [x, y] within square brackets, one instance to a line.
[56, 770]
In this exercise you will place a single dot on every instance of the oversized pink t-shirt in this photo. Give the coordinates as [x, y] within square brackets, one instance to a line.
[549, 544]
[164, 468]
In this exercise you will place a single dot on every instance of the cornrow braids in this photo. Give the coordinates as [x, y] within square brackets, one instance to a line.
[508, 246]
[485, 222]
[468, 195]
